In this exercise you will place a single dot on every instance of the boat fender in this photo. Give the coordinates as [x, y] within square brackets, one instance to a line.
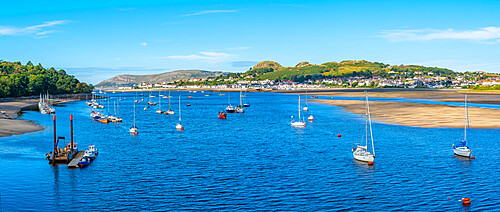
[473, 157]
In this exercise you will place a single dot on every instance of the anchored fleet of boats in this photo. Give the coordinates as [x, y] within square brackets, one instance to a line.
[361, 151]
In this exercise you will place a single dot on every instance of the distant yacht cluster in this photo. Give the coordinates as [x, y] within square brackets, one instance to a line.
[98, 116]
[44, 105]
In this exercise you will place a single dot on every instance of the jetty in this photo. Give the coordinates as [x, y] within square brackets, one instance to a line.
[74, 162]
[70, 155]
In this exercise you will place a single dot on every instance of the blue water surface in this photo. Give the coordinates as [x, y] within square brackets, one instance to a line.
[251, 161]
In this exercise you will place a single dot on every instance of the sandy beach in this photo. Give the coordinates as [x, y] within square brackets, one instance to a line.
[11, 107]
[448, 95]
[9, 125]
[421, 115]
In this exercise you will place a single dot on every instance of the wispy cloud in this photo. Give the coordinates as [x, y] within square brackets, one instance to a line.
[486, 34]
[201, 56]
[209, 12]
[125, 9]
[38, 31]
[239, 48]
[144, 44]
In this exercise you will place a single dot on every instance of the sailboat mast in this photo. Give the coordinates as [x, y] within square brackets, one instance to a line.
[366, 125]
[306, 98]
[370, 122]
[179, 108]
[466, 119]
[134, 112]
[107, 109]
[299, 107]
[241, 103]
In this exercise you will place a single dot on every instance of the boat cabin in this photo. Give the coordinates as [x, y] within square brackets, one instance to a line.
[75, 147]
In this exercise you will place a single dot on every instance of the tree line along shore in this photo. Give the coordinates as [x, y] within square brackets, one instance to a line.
[25, 80]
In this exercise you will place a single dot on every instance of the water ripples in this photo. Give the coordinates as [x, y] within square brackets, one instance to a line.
[251, 161]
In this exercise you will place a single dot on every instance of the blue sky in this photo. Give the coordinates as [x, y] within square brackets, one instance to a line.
[95, 40]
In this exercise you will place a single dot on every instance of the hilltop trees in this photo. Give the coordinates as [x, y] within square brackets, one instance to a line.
[25, 80]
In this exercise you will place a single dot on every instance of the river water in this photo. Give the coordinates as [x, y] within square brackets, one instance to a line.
[251, 161]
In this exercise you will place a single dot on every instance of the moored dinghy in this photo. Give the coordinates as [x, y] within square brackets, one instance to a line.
[462, 149]
[222, 115]
[360, 152]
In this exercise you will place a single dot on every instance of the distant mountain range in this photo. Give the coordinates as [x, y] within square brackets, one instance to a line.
[127, 80]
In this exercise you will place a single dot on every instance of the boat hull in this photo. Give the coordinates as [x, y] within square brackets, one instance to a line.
[298, 124]
[463, 153]
[364, 158]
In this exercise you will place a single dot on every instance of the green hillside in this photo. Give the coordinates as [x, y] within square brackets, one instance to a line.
[304, 70]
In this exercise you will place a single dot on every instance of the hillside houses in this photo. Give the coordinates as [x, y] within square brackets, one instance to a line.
[395, 80]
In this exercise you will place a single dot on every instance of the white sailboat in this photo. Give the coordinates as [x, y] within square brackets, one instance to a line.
[50, 109]
[169, 111]
[229, 108]
[240, 108]
[179, 126]
[462, 149]
[299, 123]
[306, 108]
[361, 153]
[246, 104]
[114, 118]
[134, 130]
[159, 111]
[41, 105]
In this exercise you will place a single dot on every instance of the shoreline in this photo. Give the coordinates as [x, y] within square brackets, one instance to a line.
[482, 97]
[11, 107]
[421, 114]
[188, 89]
